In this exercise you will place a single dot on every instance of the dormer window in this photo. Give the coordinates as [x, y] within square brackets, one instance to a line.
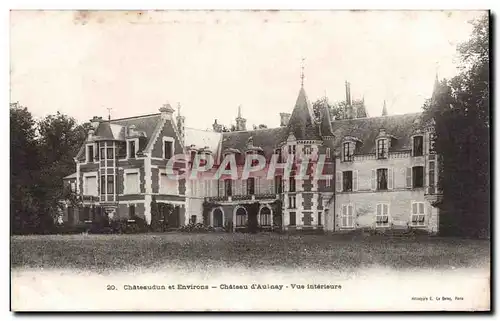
[277, 151]
[382, 148]
[131, 148]
[307, 150]
[418, 145]
[348, 151]
[292, 149]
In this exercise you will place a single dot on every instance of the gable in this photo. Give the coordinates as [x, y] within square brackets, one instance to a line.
[167, 130]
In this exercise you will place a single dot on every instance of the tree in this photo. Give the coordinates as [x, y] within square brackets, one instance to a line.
[336, 110]
[460, 109]
[60, 139]
[24, 167]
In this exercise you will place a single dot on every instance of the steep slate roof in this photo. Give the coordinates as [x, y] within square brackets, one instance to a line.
[268, 139]
[367, 129]
[115, 129]
[202, 138]
[301, 122]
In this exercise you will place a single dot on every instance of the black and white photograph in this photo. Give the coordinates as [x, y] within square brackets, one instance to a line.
[250, 160]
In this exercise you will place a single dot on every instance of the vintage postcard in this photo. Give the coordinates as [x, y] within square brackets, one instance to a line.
[260, 160]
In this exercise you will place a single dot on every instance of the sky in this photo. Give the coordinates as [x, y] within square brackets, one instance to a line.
[211, 62]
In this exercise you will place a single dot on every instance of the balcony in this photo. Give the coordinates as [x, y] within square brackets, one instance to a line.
[245, 197]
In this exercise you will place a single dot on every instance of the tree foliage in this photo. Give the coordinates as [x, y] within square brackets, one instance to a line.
[460, 109]
[41, 156]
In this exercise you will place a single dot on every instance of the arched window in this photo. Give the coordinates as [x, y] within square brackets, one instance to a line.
[241, 217]
[218, 218]
[265, 217]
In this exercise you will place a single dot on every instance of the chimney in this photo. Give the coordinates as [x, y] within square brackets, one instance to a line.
[180, 123]
[285, 118]
[349, 110]
[240, 121]
[95, 121]
[217, 127]
[90, 135]
[166, 111]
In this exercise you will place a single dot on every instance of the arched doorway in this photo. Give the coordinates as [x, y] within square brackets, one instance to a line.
[241, 217]
[265, 217]
[217, 217]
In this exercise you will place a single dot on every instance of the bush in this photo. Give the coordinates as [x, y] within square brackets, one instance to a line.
[196, 228]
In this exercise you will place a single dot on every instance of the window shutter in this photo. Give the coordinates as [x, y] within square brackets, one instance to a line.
[408, 177]
[425, 143]
[390, 178]
[374, 179]
[412, 140]
[414, 208]
[421, 208]
[386, 209]
[338, 183]
[355, 180]
[244, 187]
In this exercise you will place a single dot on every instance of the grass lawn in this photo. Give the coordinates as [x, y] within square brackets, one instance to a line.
[195, 252]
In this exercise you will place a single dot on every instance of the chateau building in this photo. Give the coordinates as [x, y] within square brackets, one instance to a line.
[378, 172]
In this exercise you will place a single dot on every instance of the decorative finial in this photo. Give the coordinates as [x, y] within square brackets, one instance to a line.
[178, 109]
[109, 112]
[302, 73]
[384, 109]
[239, 111]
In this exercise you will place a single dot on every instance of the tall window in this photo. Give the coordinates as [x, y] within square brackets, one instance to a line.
[382, 148]
[291, 202]
[417, 214]
[90, 185]
[418, 145]
[382, 218]
[292, 184]
[328, 151]
[347, 181]
[347, 216]
[265, 217]
[109, 152]
[278, 184]
[110, 184]
[432, 174]
[292, 149]
[103, 184]
[382, 178]
[228, 187]
[251, 186]
[167, 149]
[319, 219]
[131, 183]
[418, 176]
[103, 153]
[90, 153]
[292, 219]
[241, 217]
[131, 149]
[307, 150]
[348, 152]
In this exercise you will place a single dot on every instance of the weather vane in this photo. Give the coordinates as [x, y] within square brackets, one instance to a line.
[302, 73]
[109, 112]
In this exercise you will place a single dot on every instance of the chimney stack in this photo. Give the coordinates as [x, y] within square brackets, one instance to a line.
[166, 111]
[349, 110]
[217, 127]
[240, 121]
[285, 118]
[95, 122]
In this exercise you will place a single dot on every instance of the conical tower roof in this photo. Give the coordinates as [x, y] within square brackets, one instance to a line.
[301, 122]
